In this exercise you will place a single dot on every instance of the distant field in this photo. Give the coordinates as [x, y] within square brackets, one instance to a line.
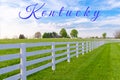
[5, 41]
[37, 40]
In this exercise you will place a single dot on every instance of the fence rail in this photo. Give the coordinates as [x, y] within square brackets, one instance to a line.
[71, 49]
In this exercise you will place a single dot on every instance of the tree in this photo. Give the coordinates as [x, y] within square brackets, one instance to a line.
[55, 35]
[51, 35]
[37, 35]
[104, 35]
[63, 33]
[96, 37]
[21, 36]
[74, 33]
[45, 35]
[117, 34]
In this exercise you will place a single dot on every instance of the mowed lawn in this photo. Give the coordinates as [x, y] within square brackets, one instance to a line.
[101, 64]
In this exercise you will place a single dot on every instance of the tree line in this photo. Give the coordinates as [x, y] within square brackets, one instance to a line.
[62, 34]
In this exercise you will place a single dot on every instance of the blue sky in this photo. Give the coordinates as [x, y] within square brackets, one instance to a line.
[11, 25]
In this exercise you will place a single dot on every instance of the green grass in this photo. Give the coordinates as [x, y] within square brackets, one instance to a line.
[101, 64]
[5, 41]
[38, 40]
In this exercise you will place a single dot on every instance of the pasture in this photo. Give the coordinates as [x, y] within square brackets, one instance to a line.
[100, 64]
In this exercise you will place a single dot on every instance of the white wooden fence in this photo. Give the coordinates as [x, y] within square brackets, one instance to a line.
[79, 48]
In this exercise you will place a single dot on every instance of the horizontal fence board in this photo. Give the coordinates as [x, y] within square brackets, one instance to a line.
[38, 52]
[60, 43]
[79, 48]
[9, 68]
[38, 69]
[15, 77]
[59, 49]
[72, 51]
[9, 46]
[72, 42]
[80, 52]
[62, 54]
[38, 44]
[9, 57]
[72, 46]
[60, 60]
[38, 60]
[73, 55]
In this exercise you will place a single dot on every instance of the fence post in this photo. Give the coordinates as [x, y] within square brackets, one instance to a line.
[94, 44]
[53, 56]
[77, 49]
[82, 48]
[23, 61]
[90, 46]
[87, 47]
[68, 52]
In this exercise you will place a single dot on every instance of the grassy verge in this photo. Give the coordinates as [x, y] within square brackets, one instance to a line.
[101, 64]
[38, 40]
[5, 41]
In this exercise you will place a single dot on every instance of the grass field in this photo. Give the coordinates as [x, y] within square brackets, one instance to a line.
[101, 64]
[5, 41]
[39, 40]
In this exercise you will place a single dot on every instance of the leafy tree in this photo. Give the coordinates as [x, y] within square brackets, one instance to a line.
[96, 37]
[50, 35]
[63, 33]
[21, 36]
[117, 34]
[104, 35]
[45, 35]
[54, 35]
[74, 33]
[37, 35]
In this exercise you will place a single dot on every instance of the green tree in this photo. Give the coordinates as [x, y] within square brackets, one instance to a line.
[104, 35]
[45, 35]
[55, 35]
[74, 33]
[21, 36]
[50, 35]
[63, 33]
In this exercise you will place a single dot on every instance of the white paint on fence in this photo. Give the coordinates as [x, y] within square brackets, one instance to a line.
[82, 48]
[23, 61]
[68, 52]
[78, 48]
[53, 56]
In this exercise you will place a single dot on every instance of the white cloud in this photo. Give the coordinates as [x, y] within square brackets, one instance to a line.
[8, 13]
[111, 20]
[114, 3]
[10, 25]
[109, 4]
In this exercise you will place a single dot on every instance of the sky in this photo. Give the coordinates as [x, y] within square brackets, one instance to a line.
[94, 18]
